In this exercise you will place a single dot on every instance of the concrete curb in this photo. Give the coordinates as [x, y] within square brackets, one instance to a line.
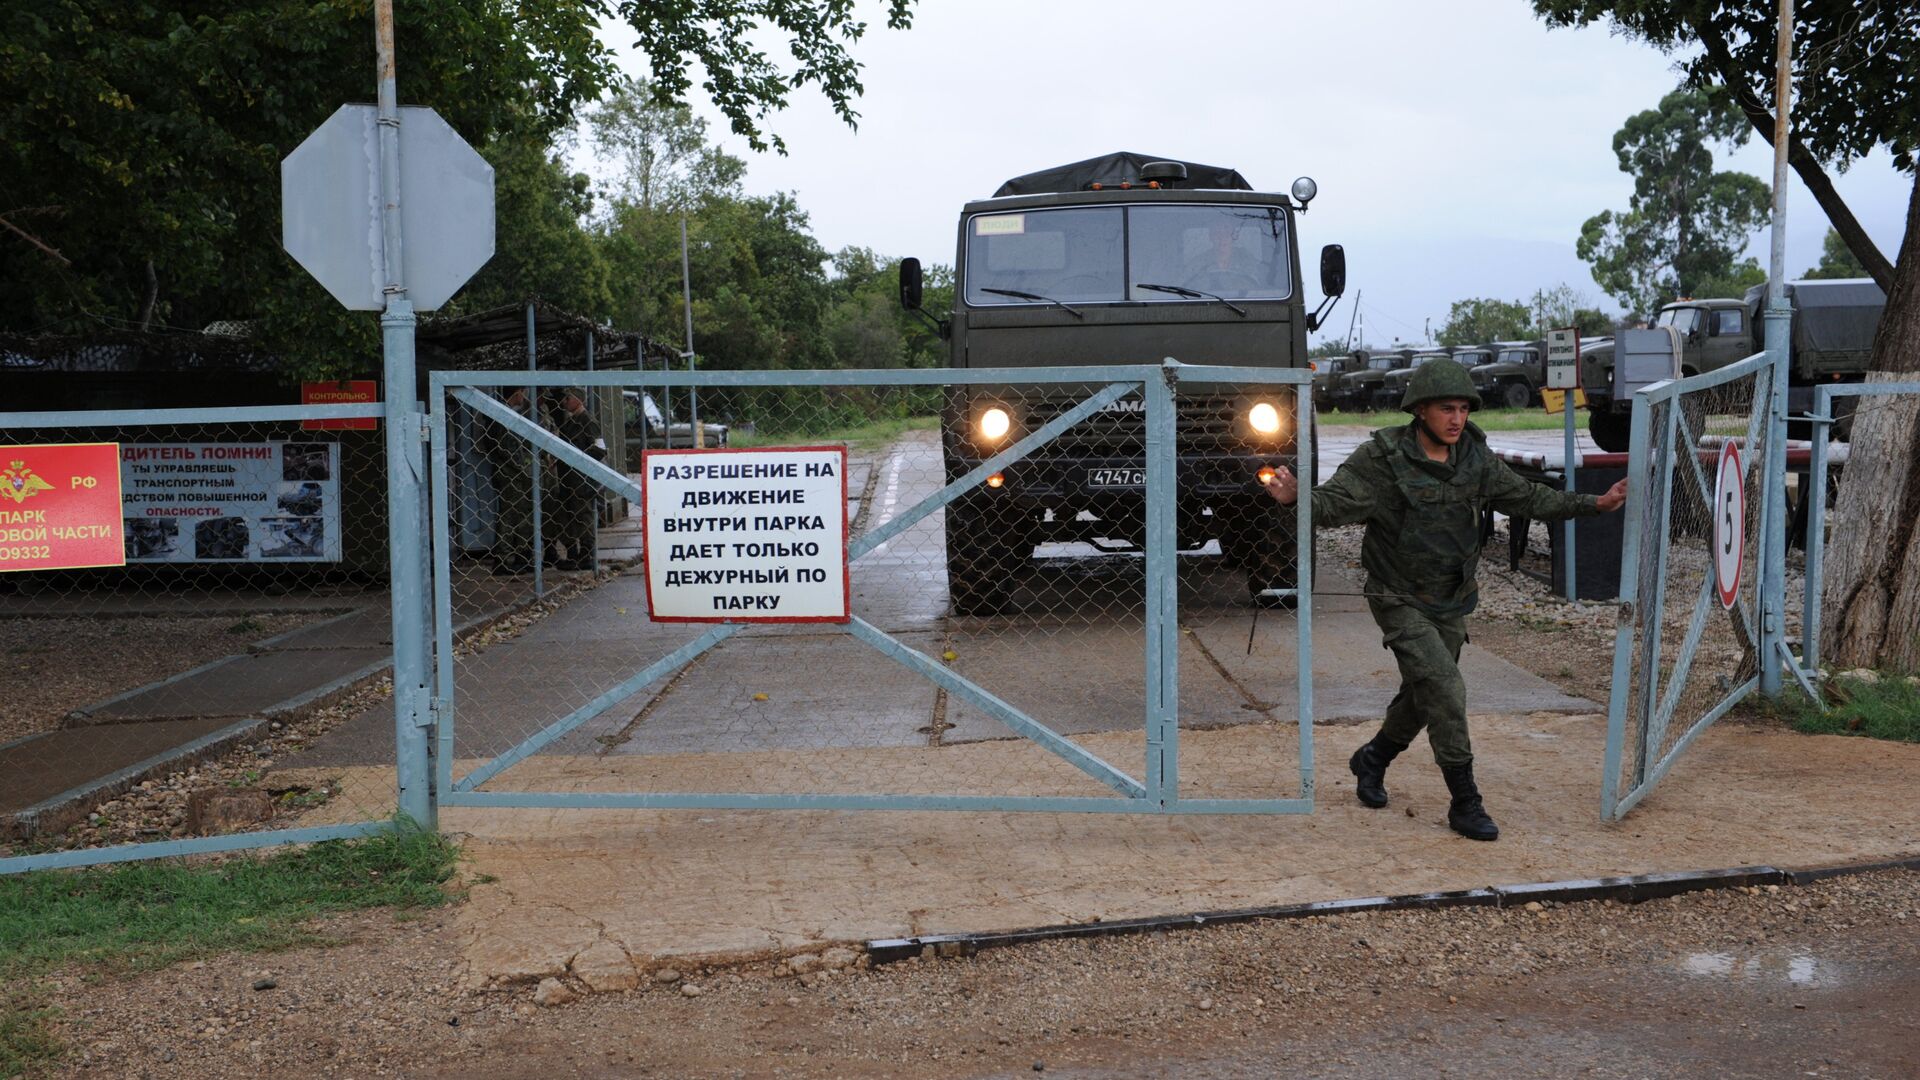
[60, 811]
[1627, 890]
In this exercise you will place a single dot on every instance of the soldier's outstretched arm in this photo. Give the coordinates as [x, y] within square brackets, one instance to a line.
[1347, 498]
[1515, 496]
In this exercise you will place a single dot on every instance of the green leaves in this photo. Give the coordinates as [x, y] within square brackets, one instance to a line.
[1686, 224]
[140, 145]
[1479, 319]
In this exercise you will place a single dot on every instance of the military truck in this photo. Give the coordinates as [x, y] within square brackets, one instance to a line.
[1123, 259]
[1393, 388]
[1355, 391]
[1327, 372]
[1831, 341]
[1513, 377]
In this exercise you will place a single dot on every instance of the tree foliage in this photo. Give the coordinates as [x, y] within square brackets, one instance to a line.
[1856, 79]
[140, 144]
[1476, 320]
[1836, 260]
[1685, 224]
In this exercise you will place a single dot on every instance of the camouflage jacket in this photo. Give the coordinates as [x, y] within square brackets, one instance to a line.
[1423, 517]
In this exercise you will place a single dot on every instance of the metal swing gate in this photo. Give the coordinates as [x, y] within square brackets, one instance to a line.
[529, 716]
[1684, 654]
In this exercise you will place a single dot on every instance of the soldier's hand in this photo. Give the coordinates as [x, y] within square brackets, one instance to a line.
[1614, 499]
[1283, 486]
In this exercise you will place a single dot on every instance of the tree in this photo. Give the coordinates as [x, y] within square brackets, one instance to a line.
[663, 159]
[1857, 89]
[1470, 322]
[1836, 260]
[140, 143]
[1686, 224]
[1857, 82]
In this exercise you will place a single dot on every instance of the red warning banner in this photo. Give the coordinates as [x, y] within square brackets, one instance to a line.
[60, 507]
[344, 392]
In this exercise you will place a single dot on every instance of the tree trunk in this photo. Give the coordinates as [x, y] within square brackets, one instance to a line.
[1802, 161]
[1871, 595]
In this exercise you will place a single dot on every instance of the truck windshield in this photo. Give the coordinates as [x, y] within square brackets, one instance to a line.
[1105, 253]
[1682, 319]
[1519, 356]
[1381, 363]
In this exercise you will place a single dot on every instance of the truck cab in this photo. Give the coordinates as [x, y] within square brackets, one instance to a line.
[1512, 378]
[1356, 389]
[1124, 259]
[1393, 388]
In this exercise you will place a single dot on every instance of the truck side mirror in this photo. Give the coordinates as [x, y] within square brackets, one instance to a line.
[910, 284]
[1333, 270]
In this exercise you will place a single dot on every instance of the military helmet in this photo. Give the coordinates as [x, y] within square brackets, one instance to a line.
[1439, 378]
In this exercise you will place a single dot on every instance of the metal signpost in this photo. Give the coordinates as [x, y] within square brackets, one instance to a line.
[1563, 374]
[341, 196]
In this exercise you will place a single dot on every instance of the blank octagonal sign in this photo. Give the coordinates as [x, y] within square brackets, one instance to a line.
[330, 208]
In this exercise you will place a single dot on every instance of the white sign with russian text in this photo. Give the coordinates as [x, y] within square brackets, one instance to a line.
[746, 535]
[1563, 359]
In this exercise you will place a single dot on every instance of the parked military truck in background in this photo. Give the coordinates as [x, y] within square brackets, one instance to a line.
[1393, 388]
[1831, 340]
[1355, 391]
[1124, 259]
[1327, 372]
[1512, 378]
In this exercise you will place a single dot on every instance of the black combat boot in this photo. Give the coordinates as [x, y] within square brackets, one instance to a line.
[1467, 815]
[1369, 765]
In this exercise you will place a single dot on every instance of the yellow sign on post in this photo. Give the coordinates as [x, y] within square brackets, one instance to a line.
[1555, 400]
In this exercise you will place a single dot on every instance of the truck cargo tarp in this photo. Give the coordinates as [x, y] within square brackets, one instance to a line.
[1833, 316]
[1114, 168]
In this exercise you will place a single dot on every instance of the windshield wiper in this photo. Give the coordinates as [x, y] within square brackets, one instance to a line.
[1196, 294]
[1018, 295]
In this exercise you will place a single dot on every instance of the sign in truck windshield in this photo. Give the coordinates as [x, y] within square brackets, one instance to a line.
[746, 535]
[1110, 254]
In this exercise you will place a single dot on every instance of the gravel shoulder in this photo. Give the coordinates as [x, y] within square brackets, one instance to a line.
[1763, 982]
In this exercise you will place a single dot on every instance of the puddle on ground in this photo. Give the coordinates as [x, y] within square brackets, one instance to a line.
[1789, 967]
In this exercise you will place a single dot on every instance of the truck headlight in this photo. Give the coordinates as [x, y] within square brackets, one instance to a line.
[1264, 418]
[994, 423]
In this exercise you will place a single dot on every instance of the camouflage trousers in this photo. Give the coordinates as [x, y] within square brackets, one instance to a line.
[1432, 693]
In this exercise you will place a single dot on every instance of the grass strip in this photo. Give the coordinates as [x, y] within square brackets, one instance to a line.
[144, 915]
[1886, 708]
[141, 916]
[868, 436]
[1487, 419]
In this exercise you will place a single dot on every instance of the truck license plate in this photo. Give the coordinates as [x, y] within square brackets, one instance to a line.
[1116, 478]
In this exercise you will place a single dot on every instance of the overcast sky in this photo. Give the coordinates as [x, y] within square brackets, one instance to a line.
[1458, 146]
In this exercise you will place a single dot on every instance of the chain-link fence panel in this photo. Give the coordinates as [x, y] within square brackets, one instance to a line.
[1689, 643]
[1241, 589]
[208, 686]
[994, 647]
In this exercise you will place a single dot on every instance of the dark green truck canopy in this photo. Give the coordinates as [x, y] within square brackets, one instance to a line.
[1112, 169]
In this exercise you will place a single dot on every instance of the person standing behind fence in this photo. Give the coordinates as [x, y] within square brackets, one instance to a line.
[1421, 490]
[573, 513]
[511, 459]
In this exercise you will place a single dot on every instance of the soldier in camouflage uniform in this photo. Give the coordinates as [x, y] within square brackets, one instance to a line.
[574, 510]
[1421, 490]
[512, 462]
